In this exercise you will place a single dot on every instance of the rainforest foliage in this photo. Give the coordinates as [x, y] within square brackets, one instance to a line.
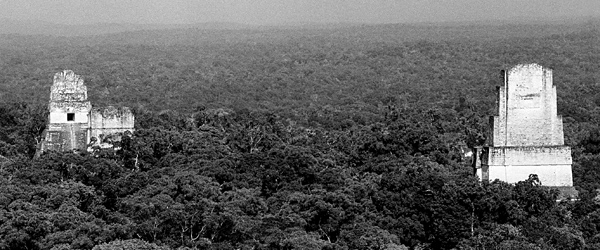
[333, 138]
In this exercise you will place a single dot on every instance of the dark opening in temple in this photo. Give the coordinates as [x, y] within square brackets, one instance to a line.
[70, 117]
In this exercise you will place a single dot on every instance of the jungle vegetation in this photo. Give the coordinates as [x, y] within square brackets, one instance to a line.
[348, 137]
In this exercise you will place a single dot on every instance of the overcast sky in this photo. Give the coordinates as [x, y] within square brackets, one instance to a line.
[290, 11]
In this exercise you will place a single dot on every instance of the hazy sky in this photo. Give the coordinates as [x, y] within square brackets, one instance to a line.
[290, 11]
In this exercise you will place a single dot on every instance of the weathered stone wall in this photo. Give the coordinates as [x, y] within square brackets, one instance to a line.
[111, 120]
[552, 164]
[527, 134]
[549, 175]
[61, 117]
[68, 94]
[61, 137]
[541, 155]
[527, 109]
[68, 87]
[73, 123]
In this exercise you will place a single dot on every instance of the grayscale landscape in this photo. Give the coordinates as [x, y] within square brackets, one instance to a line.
[341, 124]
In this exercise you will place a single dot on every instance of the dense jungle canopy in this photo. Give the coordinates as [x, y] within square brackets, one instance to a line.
[348, 137]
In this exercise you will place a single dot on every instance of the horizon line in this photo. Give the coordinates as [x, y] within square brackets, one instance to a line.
[514, 19]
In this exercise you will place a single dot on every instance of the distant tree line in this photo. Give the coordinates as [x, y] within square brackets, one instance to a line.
[297, 142]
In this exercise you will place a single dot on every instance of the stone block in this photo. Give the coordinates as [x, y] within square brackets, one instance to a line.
[72, 122]
[527, 134]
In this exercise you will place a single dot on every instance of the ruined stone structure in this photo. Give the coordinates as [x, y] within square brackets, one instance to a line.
[73, 123]
[526, 137]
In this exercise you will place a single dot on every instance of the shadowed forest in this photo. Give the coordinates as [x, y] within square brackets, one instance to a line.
[352, 137]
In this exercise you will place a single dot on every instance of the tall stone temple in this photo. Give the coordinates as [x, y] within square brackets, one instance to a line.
[526, 137]
[74, 125]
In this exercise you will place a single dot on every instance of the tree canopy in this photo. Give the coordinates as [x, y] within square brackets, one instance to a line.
[345, 138]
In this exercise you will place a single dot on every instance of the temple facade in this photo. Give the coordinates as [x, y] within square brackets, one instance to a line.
[526, 137]
[74, 125]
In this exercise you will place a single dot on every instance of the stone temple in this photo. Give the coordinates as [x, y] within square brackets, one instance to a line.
[74, 125]
[526, 137]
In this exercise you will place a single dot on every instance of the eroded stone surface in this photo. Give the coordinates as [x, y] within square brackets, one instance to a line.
[527, 109]
[108, 123]
[527, 134]
[73, 124]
